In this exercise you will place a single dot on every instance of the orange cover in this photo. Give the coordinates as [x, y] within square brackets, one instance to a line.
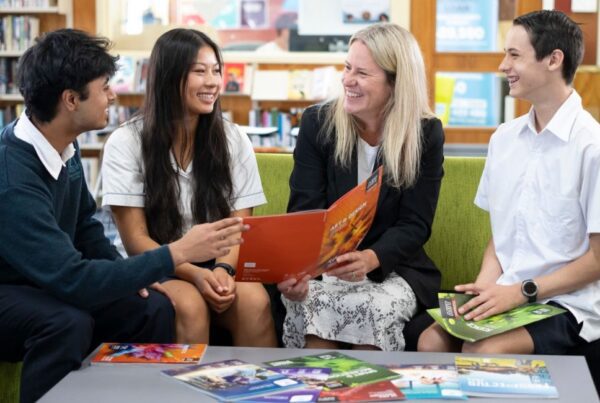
[151, 353]
[279, 247]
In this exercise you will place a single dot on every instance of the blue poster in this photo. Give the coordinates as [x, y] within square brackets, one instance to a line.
[466, 25]
[468, 99]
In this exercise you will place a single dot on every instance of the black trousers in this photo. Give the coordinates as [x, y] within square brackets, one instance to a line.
[52, 337]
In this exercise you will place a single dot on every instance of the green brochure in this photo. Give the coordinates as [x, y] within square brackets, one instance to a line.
[345, 371]
[447, 316]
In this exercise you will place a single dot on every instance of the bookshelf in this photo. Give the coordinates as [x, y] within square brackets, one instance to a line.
[22, 22]
[240, 105]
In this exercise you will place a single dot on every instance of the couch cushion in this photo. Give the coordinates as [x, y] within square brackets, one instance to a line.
[275, 170]
[10, 375]
[461, 230]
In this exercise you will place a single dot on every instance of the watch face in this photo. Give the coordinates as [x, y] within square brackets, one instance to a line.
[529, 288]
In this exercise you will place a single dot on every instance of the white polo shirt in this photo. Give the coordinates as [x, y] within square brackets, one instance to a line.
[53, 161]
[542, 191]
[123, 173]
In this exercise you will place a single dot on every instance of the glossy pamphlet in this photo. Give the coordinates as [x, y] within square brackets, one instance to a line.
[279, 247]
[428, 381]
[448, 317]
[504, 377]
[346, 371]
[232, 380]
[150, 353]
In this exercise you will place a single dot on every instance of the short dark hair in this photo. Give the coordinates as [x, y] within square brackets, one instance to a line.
[551, 29]
[61, 60]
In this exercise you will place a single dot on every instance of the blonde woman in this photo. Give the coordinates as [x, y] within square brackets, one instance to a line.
[382, 118]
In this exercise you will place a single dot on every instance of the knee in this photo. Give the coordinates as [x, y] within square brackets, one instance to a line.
[256, 302]
[70, 327]
[434, 339]
[479, 347]
[426, 342]
[191, 309]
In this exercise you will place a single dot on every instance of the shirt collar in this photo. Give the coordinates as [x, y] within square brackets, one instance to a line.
[50, 158]
[563, 120]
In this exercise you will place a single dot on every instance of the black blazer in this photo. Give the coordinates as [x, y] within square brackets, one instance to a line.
[403, 218]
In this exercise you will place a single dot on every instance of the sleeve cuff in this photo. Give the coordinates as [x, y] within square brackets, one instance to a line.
[116, 199]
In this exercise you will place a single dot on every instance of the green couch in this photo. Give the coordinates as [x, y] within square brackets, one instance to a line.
[460, 230]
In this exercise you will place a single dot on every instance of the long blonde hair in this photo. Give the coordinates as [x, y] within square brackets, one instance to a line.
[396, 51]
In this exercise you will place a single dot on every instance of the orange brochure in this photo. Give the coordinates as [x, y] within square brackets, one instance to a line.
[279, 247]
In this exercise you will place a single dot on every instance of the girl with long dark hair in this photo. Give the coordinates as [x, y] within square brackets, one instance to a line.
[179, 163]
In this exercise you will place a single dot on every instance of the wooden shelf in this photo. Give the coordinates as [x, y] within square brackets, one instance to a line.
[11, 98]
[478, 135]
[29, 10]
[11, 53]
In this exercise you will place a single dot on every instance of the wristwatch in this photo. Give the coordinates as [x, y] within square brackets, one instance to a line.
[228, 268]
[529, 288]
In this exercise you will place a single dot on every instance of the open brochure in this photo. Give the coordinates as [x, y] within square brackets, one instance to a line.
[279, 247]
[448, 317]
[150, 353]
[504, 377]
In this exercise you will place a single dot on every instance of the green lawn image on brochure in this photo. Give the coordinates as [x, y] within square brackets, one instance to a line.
[345, 370]
[447, 316]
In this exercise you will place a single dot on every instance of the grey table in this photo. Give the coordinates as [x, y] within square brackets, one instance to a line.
[145, 383]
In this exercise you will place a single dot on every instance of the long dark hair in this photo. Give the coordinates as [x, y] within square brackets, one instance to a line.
[163, 114]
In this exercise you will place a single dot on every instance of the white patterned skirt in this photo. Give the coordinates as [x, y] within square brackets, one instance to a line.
[362, 313]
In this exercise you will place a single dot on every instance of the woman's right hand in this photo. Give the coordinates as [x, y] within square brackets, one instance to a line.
[216, 296]
[294, 290]
[207, 241]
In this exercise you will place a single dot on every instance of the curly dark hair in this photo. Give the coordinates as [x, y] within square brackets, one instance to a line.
[66, 59]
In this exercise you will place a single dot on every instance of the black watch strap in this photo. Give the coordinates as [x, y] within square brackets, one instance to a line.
[228, 268]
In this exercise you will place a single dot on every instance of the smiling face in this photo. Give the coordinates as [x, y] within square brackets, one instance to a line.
[527, 77]
[203, 83]
[92, 113]
[366, 89]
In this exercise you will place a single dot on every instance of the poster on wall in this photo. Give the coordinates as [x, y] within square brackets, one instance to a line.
[466, 25]
[468, 99]
[365, 11]
[254, 14]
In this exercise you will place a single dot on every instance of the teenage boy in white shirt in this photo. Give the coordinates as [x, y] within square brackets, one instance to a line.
[541, 186]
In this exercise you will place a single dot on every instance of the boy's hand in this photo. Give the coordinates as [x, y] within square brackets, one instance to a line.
[490, 299]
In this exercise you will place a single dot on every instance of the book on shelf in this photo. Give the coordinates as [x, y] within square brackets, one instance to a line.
[504, 377]
[18, 32]
[448, 317]
[237, 78]
[300, 84]
[232, 380]
[279, 247]
[427, 381]
[346, 371]
[123, 80]
[141, 74]
[149, 353]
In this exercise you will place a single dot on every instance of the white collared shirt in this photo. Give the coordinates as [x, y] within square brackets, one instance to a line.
[50, 158]
[542, 191]
[123, 175]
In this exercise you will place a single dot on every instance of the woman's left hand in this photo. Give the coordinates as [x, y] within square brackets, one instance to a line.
[227, 282]
[354, 266]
